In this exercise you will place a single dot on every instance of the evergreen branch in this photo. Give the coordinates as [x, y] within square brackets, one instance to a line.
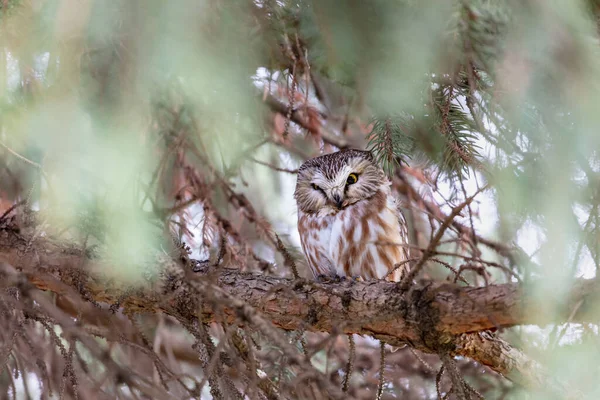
[390, 141]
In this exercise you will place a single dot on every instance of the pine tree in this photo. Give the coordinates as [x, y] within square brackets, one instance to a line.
[148, 153]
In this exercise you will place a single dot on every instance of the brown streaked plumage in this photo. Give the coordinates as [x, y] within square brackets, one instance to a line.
[348, 218]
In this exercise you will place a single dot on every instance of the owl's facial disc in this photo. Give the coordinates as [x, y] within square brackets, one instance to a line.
[328, 190]
[334, 194]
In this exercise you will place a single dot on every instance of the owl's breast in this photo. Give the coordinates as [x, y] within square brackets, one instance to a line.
[315, 235]
[363, 236]
[358, 241]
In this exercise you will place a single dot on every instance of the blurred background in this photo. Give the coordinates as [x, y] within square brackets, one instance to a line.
[127, 123]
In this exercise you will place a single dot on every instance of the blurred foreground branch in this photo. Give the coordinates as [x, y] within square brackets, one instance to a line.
[440, 318]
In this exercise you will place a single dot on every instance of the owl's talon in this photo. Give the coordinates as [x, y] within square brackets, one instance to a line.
[200, 266]
[324, 278]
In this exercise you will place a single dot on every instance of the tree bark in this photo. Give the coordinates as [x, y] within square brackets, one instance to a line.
[440, 318]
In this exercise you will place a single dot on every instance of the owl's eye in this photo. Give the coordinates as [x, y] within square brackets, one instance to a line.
[352, 178]
[312, 185]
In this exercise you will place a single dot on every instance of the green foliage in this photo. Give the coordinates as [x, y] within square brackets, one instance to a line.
[444, 133]
[483, 26]
[390, 141]
[7, 6]
[460, 151]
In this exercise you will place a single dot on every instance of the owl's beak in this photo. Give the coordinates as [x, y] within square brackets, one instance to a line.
[338, 199]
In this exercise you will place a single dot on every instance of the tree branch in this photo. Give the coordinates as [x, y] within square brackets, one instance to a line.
[438, 318]
[296, 117]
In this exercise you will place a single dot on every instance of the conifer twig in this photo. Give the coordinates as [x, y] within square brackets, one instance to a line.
[350, 364]
[381, 370]
[429, 251]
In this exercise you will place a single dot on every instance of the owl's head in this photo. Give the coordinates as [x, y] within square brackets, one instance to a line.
[329, 183]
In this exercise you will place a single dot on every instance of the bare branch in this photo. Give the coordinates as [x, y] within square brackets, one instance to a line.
[297, 118]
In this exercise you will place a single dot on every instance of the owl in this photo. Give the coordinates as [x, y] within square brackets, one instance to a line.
[348, 219]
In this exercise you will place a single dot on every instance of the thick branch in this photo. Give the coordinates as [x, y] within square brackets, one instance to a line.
[435, 318]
